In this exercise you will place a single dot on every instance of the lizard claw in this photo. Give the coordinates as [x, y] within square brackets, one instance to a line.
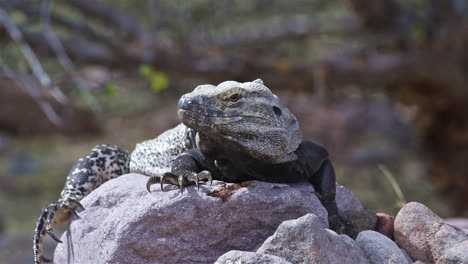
[181, 183]
[180, 180]
[206, 175]
[71, 209]
[152, 180]
[46, 221]
[52, 235]
[203, 175]
[44, 259]
[168, 176]
[195, 179]
[77, 203]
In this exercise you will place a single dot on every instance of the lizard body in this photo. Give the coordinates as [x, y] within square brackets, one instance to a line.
[231, 132]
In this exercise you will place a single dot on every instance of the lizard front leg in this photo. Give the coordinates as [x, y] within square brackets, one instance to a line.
[190, 167]
[103, 163]
[325, 185]
[320, 173]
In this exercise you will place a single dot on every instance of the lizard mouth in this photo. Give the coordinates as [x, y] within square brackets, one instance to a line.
[195, 119]
[183, 113]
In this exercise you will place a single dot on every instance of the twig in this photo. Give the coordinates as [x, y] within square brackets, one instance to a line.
[393, 182]
[34, 92]
[63, 57]
[113, 17]
[29, 55]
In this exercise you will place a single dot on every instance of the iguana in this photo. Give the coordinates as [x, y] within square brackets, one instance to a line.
[231, 132]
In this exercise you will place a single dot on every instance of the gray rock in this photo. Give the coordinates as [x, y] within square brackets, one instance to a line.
[459, 222]
[306, 240]
[244, 257]
[123, 223]
[407, 256]
[346, 200]
[380, 249]
[351, 209]
[428, 238]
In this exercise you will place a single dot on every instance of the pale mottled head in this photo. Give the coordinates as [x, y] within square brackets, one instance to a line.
[248, 114]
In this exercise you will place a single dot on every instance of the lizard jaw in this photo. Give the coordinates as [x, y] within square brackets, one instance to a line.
[197, 120]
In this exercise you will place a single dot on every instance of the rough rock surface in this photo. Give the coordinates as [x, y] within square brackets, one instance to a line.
[346, 200]
[351, 209]
[241, 257]
[380, 249]
[428, 238]
[459, 222]
[407, 256]
[306, 240]
[123, 223]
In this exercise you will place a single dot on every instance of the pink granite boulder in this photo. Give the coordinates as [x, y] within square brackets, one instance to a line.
[428, 238]
[123, 223]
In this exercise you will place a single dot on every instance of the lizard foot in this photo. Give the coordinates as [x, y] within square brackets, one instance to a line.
[46, 221]
[341, 226]
[180, 180]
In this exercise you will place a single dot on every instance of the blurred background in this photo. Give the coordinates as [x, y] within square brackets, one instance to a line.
[383, 84]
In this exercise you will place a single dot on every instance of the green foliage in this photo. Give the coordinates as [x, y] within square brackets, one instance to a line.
[110, 89]
[418, 32]
[18, 17]
[159, 80]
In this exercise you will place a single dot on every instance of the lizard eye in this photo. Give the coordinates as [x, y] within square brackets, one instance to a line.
[234, 97]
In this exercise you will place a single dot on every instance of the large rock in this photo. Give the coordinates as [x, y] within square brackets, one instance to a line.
[347, 201]
[306, 240]
[123, 223]
[407, 256]
[240, 257]
[459, 222]
[380, 249]
[428, 238]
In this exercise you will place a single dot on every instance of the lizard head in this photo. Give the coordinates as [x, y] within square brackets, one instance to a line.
[246, 114]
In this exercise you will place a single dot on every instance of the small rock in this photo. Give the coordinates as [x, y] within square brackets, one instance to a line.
[385, 224]
[379, 249]
[428, 238]
[306, 240]
[241, 257]
[123, 223]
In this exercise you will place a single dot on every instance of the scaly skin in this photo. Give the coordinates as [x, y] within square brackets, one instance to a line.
[231, 132]
[105, 162]
[244, 132]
